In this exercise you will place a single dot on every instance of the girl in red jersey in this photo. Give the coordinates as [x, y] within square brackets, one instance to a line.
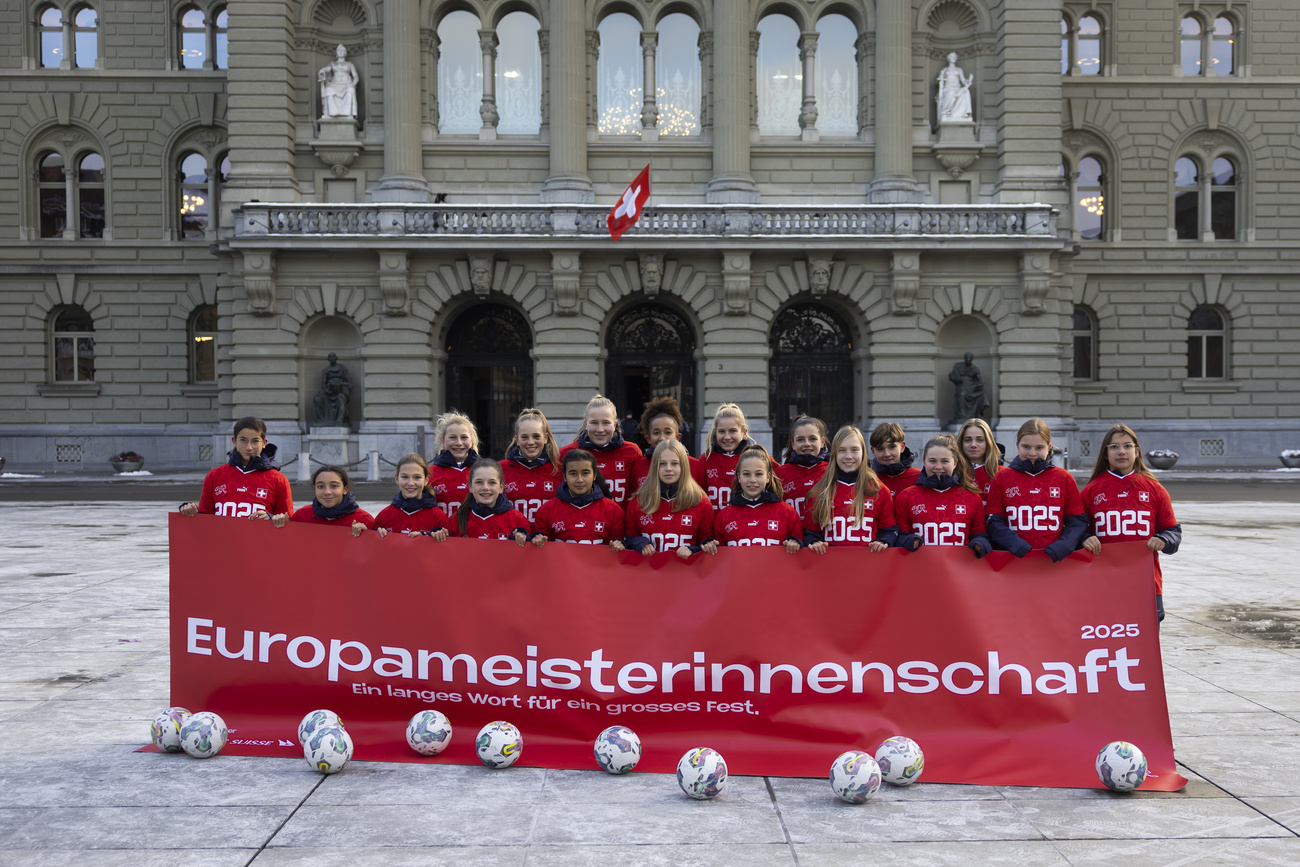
[1125, 503]
[670, 511]
[977, 445]
[334, 505]
[413, 511]
[806, 460]
[457, 442]
[728, 437]
[943, 508]
[756, 515]
[532, 464]
[249, 484]
[488, 514]
[600, 435]
[1034, 506]
[661, 419]
[849, 506]
[582, 511]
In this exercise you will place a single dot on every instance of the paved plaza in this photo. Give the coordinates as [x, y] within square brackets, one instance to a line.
[84, 667]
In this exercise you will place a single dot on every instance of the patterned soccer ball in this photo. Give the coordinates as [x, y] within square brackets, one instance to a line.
[901, 761]
[328, 750]
[166, 728]
[499, 744]
[1121, 767]
[203, 735]
[702, 773]
[428, 732]
[317, 719]
[617, 749]
[855, 776]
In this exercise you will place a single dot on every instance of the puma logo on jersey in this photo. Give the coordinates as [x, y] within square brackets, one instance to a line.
[241, 490]
[941, 508]
[1035, 490]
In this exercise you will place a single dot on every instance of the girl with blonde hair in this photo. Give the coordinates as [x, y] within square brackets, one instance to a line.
[670, 511]
[599, 434]
[457, 442]
[849, 506]
[532, 463]
[728, 437]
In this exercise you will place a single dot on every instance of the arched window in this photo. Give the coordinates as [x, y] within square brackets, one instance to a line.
[837, 76]
[490, 371]
[194, 38]
[72, 345]
[1222, 46]
[811, 369]
[85, 38]
[90, 196]
[221, 38]
[519, 75]
[52, 193]
[193, 196]
[779, 76]
[1090, 201]
[1223, 199]
[651, 353]
[1187, 198]
[49, 28]
[677, 75]
[1067, 46]
[202, 333]
[1084, 334]
[1207, 344]
[460, 74]
[1206, 203]
[619, 76]
[1082, 46]
[1190, 44]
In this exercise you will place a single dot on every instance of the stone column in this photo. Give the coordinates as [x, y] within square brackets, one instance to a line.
[1029, 160]
[649, 91]
[808, 111]
[403, 179]
[568, 180]
[487, 41]
[893, 181]
[732, 97]
[71, 207]
[259, 87]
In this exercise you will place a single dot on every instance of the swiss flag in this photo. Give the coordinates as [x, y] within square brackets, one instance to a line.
[624, 215]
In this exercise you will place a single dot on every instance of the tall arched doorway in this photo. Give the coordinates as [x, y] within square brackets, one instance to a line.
[490, 371]
[651, 353]
[811, 371]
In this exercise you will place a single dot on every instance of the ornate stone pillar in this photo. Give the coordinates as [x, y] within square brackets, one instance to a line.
[487, 41]
[568, 180]
[649, 91]
[893, 181]
[403, 179]
[808, 112]
[732, 99]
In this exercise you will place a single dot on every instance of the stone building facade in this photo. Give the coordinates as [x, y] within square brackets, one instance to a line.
[1112, 237]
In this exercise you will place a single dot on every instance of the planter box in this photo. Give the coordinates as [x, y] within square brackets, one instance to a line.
[127, 466]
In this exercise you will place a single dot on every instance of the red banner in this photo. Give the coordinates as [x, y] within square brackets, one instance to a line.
[1006, 672]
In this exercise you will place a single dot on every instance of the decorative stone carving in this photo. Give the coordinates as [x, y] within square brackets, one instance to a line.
[905, 282]
[331, 402]
[259, 282]
[819, 275]
[969, 399]
[1035, 281]
[566, 277]
[338, 86]
[652, 273]
[954, 93]
[394, 282]
[736, 289]
[480, 274]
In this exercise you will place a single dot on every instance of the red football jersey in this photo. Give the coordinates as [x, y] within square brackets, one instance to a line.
[398, 520]
[450, 486]
[763, 524]
[945, 518]
[597, 523]
[844, 530]
[719, 470]
[1130, 508]
[1035, 505]
[797, 481]
[529, 487]
[499, 526]
[641, 470]
[237, 493]
[305, 515]
[669, 530]
[616, 466]
[900, 482]
[983, 481]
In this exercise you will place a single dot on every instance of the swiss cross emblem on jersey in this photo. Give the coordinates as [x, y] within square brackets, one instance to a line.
[548, 487]
[687, 520]
[960, 510]
[773, 525]
[871, 505]
[619, 465]
[1054, 492]
[600, 526]
[1144, 496]
[261, 493]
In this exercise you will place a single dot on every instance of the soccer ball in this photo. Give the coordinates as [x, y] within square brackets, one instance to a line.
[499, 744]
[428, 732]
[317, 719]
[166, 728]
[203, 735]
[1121, 767]
[702, 773]
[855, 776]
[617, 749]
[328, 750]
[901, 761]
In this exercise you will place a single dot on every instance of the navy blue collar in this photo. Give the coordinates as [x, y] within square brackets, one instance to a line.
[346, 506]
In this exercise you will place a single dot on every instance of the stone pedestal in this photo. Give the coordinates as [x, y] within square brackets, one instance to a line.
[339, 143]
[957, 147]
[331, 445]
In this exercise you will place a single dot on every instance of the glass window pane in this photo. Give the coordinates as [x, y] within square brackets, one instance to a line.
[87, 49]
[1185, 172]
[1082, 322]
[194, 168]
[91, 169]
[1186, 206]
[837, 76]
[1223, 173]
[519, 75]
[65, 369]
[51, 169]
[677, 70]
[1214, 356]
[1089, 45]
[91, 200]
[223, 19]
[1083, 356]
[460, 74]
[51, 48]
[225, 169]
[222, 60]
[192, 18]
[1089, 172]
[205, 319]
[1065, 46]
[205, 358]
[1223, 214]
[74, 319]
[85, 359]
[51, 17]
[194, 49]
[618, 76]
[780, 76]
[1191, 26]
[1195, 362]
[194, 212]
[85, 18]
[1090, 207]
[1205, 319]
[1191, 46]
[54, 213]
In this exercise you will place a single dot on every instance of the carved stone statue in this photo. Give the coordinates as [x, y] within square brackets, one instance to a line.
[652, 273]
[338, 86]
[954, 93]
[331, 401]
[819, 275]
[480, 274]
[969, 400]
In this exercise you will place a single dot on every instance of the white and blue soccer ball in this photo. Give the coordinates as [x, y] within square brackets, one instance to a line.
[855, 776]
[203, 735]
[320, 718]
[702, 773]
[901, 761]
[617, 749]
[166, 728]
[499, 744]
[328, 749]
[428, 732]
[1121, 767]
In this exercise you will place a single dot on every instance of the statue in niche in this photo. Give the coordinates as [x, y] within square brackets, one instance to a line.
[331, 401]
[480, 274]
[954, 93]
[968, 400]
[338, 86]
[819, 275]
[652, 273]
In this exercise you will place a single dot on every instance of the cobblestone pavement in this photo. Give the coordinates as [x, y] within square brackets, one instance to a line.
[84, 666]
